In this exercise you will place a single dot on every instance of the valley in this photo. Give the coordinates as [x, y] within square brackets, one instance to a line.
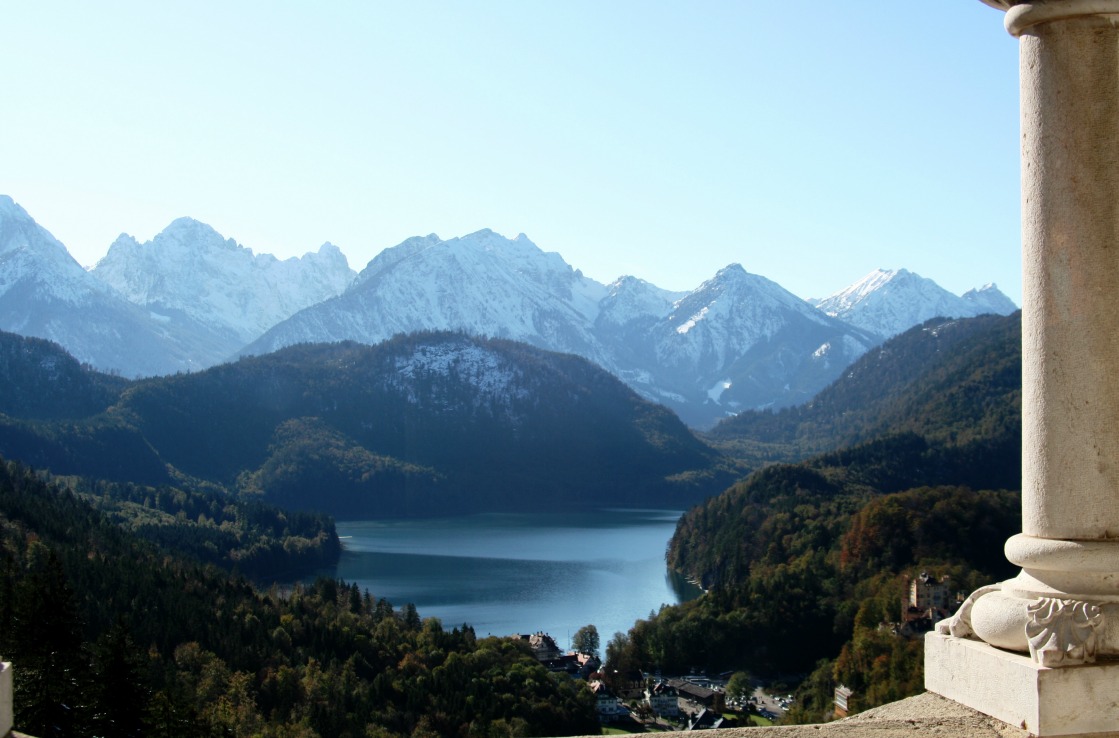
[824, 462]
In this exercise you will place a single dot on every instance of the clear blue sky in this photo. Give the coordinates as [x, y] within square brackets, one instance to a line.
[663, 140]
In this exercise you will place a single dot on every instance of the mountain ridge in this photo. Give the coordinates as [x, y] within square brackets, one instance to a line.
[736, 342]
[190, 268]
[890, 301]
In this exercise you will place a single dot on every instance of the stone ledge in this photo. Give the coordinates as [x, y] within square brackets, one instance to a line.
[927, 714]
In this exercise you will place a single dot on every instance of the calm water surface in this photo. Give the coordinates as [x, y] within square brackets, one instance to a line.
[519, 573]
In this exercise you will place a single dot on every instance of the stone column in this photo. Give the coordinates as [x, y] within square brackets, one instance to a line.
[1062, 610]
[5, 698]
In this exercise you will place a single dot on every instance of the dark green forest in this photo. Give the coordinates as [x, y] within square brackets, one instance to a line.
[243, 536]
[115, 635]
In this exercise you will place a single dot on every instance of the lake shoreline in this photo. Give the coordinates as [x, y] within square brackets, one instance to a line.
[508, 573]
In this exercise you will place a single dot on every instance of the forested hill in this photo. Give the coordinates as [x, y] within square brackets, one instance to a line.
[947, 380]
[434, 423]
[41, 381]
[804, 563]
[722, 541]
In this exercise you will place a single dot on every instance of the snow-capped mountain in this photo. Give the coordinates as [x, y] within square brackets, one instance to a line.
[671, 347]
[482, 284]
[889, 302]
[45, 293]
[190, 269]
[988, 299]
[630, 300]
[742, 341]
[195, 298]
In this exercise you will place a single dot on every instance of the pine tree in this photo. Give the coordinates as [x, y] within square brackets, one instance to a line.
[52, 669]
[121, 698]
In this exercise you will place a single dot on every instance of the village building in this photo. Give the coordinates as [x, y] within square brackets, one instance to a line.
[546, 651]
[842, 701]
[927, 602]
[696, 694]
[608, 705]
[663, 700]
[543, 646]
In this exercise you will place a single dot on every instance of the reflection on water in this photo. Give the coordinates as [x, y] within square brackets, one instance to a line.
[520, 573]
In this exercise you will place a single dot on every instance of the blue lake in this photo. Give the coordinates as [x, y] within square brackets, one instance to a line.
[519, 573]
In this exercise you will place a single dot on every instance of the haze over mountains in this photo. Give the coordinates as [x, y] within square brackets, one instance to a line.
[425, 424]
[190, 299]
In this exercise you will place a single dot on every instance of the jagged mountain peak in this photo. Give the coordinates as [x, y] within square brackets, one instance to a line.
[871, 283]
[482, 283]
[190, 269]
[990, 298]
[31, 252]
[185, 228]
[631, 299]
[890, 301]
[731, 271]
[484, 258]
[395, 254]
[733, 283]
[521, 248]
[330, 249]
[45, 293]
[9, 208]
[123, 241]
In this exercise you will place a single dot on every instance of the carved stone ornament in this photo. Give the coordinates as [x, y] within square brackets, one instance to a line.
[1063, 632]
[959, 625]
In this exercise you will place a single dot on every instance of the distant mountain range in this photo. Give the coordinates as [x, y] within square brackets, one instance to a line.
[190, 299]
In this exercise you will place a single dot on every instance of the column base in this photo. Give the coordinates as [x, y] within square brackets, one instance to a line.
[1069, 701]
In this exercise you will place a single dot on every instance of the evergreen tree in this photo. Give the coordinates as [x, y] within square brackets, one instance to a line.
[121, 697]
[53, 673]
